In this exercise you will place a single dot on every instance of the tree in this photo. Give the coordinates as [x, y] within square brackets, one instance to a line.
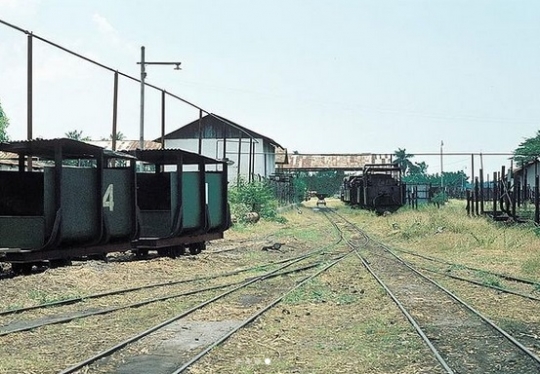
[77, 135]
[528, 150]
[325, 182]
[119, 136]
[452, 179]
[403, 160]
[421, 167]
[417, 173]
[4, 123]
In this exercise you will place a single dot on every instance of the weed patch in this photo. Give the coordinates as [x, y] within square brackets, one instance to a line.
[531, 265]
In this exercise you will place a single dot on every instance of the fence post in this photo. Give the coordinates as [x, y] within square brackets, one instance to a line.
[476, 196]
[495, 192]
[536, 200]
[468, 202]
[481, 172]
[515, 194]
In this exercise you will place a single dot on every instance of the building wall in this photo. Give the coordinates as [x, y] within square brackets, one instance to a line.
[532, 170]
[264, 157]
[8, 166]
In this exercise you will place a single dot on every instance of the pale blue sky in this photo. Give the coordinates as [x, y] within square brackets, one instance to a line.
[317, 76]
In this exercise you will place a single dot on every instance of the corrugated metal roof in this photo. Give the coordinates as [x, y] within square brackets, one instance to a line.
[170, 156]
[335, 161]
[191, 129]
[8, 156]
[12, 159]
[125, 145]
[46, 148]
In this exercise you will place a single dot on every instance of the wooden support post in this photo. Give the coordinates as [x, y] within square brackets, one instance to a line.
[476, 196]
[481, 190]
[536, 200]
[115, 110]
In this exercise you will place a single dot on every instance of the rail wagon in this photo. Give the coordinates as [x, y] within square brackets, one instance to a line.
[379, 188]
[88, 201]
[182, 201]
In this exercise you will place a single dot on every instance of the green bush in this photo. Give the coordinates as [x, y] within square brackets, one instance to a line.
[253, 197]
[440, 198]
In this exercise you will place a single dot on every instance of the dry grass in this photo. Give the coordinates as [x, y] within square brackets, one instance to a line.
[340, 322]
[450, 234]
[54, 347]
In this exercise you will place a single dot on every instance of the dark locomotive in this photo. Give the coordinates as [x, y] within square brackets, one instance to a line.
[379, 188]
[88, 201]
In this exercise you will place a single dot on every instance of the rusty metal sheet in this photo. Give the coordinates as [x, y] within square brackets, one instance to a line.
[125, 145]
[335, 161]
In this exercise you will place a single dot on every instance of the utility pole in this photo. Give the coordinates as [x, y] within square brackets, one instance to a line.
[143, 63]
[442, 181]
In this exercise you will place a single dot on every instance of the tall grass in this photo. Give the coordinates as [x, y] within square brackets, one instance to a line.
[448, 232]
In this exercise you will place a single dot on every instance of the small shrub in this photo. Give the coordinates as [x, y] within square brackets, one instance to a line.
[490, 280]
[440, 198]
[253, 197]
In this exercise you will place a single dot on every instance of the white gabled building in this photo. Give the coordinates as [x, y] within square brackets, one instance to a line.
[251, 156]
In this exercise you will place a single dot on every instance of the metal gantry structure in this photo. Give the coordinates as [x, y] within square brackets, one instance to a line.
[164, 93]
[143, 64]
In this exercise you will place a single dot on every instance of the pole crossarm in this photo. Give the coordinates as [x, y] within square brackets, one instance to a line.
[160, 63]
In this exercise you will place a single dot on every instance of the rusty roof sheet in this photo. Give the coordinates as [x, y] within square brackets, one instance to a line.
[12, 159]
[8, 156]
[125, 145]
[335, 161]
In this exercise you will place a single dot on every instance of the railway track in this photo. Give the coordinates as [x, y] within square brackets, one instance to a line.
[187, 295]
[114, 358]
[499, 296]
[198, 314]
[506, 283]
[461, 338]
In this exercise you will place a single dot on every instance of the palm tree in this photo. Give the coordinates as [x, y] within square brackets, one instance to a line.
[77, 135]
[119, 136]
[403, 160]
[421, 167]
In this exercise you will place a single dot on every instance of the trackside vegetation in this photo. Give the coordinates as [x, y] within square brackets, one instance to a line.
[247, 197]
[4, 123]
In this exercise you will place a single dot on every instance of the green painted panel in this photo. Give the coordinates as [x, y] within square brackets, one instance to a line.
[79, 204]
[155, 223]
[22, 232]
[214, 198]
[48, 198]
[117, 201]
[191, 200]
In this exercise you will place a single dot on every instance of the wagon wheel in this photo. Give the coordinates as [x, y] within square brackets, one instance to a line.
[22, 268]
[60, 262]
[179, 250]
[162, 252]
[196, 248]
[172, 252]
[141, 253]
